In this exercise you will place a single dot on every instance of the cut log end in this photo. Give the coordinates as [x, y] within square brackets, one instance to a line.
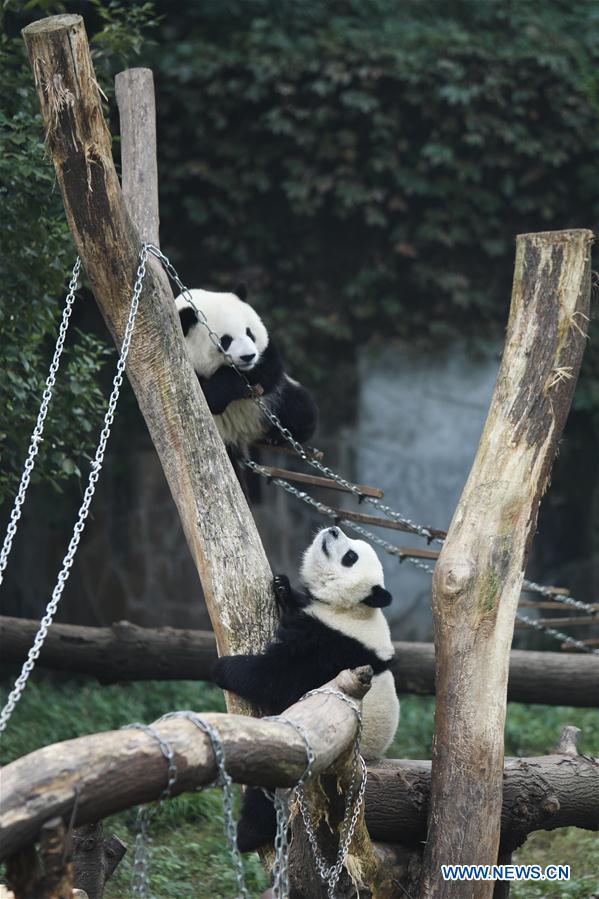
[568, 741]
[52, 23]
[355, 682]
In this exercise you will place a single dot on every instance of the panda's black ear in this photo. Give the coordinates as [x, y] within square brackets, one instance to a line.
[188, 318]
[241, 291]
[378, 598]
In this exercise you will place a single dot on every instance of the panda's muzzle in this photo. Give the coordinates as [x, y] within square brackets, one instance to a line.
[378, 598]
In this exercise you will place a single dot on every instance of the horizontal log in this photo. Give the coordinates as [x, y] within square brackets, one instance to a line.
[315, 481]
[378, 521]
[543, 793]
[105, 773]
[127, 652]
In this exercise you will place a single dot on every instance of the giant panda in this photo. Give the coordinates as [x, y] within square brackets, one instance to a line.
[336, 622]
[244, 338]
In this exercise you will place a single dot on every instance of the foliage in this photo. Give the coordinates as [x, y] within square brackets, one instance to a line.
[367, 165]
[37, 254]
[189, 856]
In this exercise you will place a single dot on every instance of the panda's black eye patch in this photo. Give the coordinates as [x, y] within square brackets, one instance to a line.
[350, 558]
[248, 331]
[226, 341]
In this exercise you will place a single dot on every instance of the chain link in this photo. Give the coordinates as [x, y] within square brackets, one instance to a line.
[95, 468]
[36, 436]
[564, 638]
[140, 880]
[354, 798]
[332, 513]
[225, 782]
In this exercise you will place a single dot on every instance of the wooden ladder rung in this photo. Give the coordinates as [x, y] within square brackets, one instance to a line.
[300, 478]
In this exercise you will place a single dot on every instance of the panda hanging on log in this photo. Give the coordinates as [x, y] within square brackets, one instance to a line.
[247, 344]
[336, 622]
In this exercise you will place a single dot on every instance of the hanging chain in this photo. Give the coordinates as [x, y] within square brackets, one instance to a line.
[354, 798]
[140, 880]
[225, 782]
[95, 468]
[274, 419]
[571, 641]
[36, 437]
[336, 516]
[281, 800]
[411, 526]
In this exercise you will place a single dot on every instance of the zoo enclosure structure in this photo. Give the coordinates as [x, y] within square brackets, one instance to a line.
[479, 573]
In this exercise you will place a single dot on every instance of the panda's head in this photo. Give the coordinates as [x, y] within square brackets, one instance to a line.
[343, 573]
[238, 327]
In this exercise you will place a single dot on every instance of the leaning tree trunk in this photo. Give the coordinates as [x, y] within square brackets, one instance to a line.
[479, 574]
[218, 525]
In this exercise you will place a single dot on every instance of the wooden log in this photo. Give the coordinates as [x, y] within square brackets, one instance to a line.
[299, 477]
[46, 872]
[108, 772]
[543, 793]
[479, 574]
[379, 522]
[139, 168]
[218, 525]
[127, 652]
[95, 858]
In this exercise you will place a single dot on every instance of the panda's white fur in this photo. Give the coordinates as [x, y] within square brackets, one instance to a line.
[241, 423]
[225, 314]
[339, 591]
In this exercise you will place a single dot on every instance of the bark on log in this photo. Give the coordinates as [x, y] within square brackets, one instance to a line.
[95, 858]
[105, 773]
[139, 169]
[46, 873]
[218, 525]
[539, 794]
[126, 652]
[478, 576]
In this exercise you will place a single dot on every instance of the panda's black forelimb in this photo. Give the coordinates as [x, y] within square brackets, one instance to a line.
[222, 388]
[288, 599]
[257, 821]
[269, 371]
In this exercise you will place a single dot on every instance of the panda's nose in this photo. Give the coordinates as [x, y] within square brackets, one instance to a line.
[248, 357]
[334, 532]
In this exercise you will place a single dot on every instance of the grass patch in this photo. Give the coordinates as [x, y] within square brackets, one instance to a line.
[189, 853]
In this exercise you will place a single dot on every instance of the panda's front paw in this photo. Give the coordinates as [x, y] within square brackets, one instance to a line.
[221, 672]
[282, 589]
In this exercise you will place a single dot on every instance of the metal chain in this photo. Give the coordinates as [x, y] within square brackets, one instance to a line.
[566, 600]
[225, 782]
[281, 800]
[354, 798]
[331, 513]
[412, 526]
[388, 547]
[36, 436]
[564, 638]
[140, 880]
[274, 419]
[95, 468]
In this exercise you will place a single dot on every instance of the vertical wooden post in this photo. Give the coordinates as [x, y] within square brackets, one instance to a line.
[479, 573]
[139, 165]
[218, 525]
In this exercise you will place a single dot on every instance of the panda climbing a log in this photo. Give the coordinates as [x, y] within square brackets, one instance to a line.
[246, 342]
[336, 622]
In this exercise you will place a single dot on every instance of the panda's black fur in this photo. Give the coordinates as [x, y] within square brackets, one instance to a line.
[305, 654]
